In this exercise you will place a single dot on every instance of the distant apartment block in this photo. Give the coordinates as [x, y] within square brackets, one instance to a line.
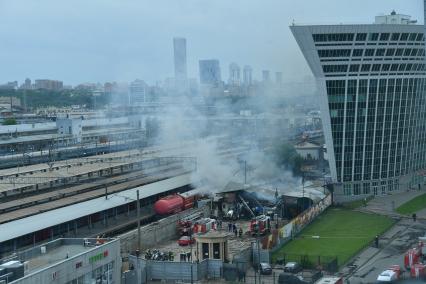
[49, 84]
[210, 72]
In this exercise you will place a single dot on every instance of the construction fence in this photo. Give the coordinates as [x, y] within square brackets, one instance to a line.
[144, 271]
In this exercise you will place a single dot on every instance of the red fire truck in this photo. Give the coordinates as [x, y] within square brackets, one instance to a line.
[260, 225]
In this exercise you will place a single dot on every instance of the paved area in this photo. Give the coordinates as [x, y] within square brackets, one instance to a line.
[235, 244]
[366, 266]
[385, 205]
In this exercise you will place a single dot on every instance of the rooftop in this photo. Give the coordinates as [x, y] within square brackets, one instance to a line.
[54, 252]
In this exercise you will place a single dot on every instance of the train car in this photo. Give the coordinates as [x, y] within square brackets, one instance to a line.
[175, 203]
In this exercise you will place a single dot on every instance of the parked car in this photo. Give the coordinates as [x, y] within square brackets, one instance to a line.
[290, 278]
[185, 241]
[387, 276]
[265, 268]
[292, 267]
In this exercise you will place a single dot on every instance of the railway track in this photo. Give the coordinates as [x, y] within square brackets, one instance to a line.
[88, 195]
[73, 190]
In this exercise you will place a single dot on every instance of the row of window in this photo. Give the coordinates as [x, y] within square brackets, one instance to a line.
[368, 37]
[396, 107]
[403, 67]
[366, 188]
[370, 52]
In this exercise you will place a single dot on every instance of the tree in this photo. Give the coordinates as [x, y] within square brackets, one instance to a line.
[9, 121]
[286, 156]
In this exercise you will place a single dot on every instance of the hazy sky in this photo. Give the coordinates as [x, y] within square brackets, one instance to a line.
[103, 40]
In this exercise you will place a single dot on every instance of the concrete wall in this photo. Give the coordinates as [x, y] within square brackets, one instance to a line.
[157, 232]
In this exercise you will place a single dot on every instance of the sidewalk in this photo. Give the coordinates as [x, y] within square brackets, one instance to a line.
[385, 205]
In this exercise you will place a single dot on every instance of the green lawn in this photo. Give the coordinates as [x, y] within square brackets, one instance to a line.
[413, 205]
[341, 232]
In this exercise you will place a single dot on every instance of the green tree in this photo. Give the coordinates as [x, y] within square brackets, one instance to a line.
[9, 121]
[285, 155]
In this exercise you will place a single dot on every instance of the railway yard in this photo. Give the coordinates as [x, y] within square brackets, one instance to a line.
[93, 189]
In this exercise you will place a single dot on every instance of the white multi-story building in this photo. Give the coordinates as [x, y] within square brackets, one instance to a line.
[138, 92]
[372, 82]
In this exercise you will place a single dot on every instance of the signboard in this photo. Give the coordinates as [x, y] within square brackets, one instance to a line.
[98, 257]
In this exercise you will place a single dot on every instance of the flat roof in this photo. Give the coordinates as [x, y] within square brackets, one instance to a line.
[33, 138]
[56, 252]
[20, 227]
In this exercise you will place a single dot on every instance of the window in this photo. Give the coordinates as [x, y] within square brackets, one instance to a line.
[354, 68]
[369, 52]
[401, 67]
[420, 37]
[414, 52]
[376, 67]
[394, 67]
[373, 36]
[395, 36]
[380, 52]
[412, 37]
[361, 37]
[385, 67]
[334, 68]
[404, 37]
[333, 37]
[390, 52]
[347, 190]
[357, 189]
[334, 53]
[384, 36]
[399, 52]
[365, 67]
[357, 52]
[407, 52]
[366, 188]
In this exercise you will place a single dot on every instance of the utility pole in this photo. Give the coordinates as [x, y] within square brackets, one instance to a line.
[138, 218]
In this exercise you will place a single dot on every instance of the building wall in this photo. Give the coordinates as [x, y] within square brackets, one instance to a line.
[210, 72]
[306, 153]
[80, 266]
[371, 80]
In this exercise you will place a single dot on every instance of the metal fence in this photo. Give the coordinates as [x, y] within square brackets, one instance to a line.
[318, 262]
[148, 270]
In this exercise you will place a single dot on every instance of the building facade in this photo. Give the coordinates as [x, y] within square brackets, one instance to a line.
[138, 92]
[371, 81]
[247, 75]
[234, 74]
[70, 261]
[210, 72]
[46, 84]
[179, 48]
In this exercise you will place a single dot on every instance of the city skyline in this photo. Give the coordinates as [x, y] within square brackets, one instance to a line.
[77, 46]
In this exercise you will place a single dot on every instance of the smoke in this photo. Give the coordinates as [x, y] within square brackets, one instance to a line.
[227, 146]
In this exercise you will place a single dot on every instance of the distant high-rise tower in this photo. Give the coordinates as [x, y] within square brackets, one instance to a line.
[179, 48]
[234, 74]
[278, 78]
[210, 72]
[247, 77]
[265, 76]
